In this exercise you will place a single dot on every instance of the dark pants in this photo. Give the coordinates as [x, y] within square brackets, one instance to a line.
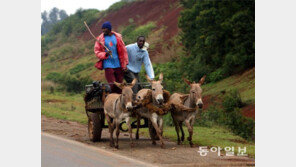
[129, 77]
[114, 74]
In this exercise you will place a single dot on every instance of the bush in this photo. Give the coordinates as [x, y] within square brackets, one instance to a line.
[232, 100]
[54, 76]
[240, 125]
[70, 83]
[131, 32]
[216, 75]
[80, 67]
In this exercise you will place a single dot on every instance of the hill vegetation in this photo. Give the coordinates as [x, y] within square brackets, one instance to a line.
[187, 38]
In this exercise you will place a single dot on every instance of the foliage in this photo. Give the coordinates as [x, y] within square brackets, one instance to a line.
[219, 37]
[119, 5]
[71, 83]
[131, 32]
[80, 67]
[232, 100]
[229, 116]
[72, 25]
[49, 20]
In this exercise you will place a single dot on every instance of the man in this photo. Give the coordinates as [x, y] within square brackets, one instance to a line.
[138, 55]
[113, 61]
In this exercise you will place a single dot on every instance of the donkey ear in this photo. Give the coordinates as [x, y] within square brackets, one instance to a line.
[134, 82]
[148, 79]
[160, 77]
[187, 81]
[119, 85]
[202, 80]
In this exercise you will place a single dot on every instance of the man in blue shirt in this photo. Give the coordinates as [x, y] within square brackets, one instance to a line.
[113, 61]
[137, 55]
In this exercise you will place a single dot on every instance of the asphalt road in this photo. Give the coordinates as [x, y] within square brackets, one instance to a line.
[57, 151]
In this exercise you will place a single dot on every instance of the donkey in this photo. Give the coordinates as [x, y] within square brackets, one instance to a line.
[153, 109]
[191, 100]
[118, 107]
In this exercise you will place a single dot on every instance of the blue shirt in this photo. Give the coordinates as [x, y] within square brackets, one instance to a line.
[136, 57]
[110, 43]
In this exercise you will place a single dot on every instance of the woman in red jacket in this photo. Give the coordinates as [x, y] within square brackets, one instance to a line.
[114, 65]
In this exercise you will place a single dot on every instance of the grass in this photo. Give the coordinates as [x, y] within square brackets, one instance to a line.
[63, 106]
[214, 136]
[245, 83]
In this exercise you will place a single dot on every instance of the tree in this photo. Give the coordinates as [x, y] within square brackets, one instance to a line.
[53, 15]
[49, 20]
[219, 37]
[63, 14]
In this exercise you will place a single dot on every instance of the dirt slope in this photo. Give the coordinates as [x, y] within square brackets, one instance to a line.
[164, 13]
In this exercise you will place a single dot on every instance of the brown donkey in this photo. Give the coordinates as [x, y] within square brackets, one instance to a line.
[153, 111]
[118, 107]
[191, 100]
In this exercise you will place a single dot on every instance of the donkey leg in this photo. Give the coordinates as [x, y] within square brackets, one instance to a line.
[191, 124]
[158, 131]
[190, 131]
[138, 126]
[182, 131]
[128, 122]
[177, 130]
[116, 123]
[110, 126]
[150, 129]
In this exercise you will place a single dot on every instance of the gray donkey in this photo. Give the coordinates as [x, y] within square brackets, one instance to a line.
[118, 107]
[191, 100]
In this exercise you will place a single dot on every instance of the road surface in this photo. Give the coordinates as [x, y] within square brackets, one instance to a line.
[61, 152]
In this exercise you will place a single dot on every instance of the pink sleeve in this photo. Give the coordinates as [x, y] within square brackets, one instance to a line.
[100, 51]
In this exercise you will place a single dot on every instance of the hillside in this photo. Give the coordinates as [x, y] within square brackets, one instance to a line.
[67, 51]
[244, 83]
[156, 19]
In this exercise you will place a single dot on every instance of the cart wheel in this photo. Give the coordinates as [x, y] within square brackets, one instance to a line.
[152, 131]
[95, 126]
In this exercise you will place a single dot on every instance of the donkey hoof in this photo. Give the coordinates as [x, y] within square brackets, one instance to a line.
[182, 138]
[191, 145]
[116, 146]
[111, 144]
[154, 143]
[137, 137]
[179, 142]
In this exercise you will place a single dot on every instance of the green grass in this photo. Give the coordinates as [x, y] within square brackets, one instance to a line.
[63, 106]
[245, 83]
[214, 136]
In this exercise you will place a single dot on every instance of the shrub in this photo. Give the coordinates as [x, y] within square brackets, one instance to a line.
[232, 100]
[216, 75]
[131, 32]
[54, 76]
[240, 125]
[70, 83]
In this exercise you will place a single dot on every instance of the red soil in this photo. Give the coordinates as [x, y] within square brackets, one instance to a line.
[249, 111]
[164, 13]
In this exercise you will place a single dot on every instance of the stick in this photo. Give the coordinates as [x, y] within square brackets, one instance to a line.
[96, 38]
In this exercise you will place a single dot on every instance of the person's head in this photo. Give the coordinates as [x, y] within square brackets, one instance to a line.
[106, 28]
[141, 41]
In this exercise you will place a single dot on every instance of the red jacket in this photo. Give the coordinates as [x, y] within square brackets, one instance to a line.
[101, 53]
